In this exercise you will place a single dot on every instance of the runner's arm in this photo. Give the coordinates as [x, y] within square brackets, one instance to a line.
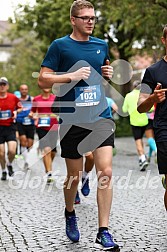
[47, 77]
[146, 101]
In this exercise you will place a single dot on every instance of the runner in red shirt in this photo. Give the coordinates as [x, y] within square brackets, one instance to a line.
[9, 107]
[46, 128]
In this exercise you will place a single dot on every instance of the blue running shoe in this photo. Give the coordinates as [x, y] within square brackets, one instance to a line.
[104, 240]
[164, 182]
[72, 231]
[85, 186]
[77, 198]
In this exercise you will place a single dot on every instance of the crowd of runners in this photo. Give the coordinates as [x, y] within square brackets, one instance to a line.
[84, 120]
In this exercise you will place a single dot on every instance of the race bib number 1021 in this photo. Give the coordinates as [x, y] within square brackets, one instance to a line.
[87, 96]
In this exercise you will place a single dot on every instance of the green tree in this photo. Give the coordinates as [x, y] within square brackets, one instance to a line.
[26, 57]
[123, 23]
[49, 19]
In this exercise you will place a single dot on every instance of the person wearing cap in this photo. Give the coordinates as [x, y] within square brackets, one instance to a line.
[138, 122]
[9, 107]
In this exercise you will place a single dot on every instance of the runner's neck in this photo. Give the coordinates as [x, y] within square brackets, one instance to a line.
[45, 96]
[3, 96]
[79, 38]
[24, 98]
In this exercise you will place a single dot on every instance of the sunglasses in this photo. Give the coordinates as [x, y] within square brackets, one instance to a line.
[3, 84]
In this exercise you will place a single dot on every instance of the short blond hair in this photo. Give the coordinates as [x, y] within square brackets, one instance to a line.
[79, 5]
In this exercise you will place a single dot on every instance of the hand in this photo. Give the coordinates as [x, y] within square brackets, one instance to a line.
[81, 74]
[14, 114]
[33, 116]
[159, 94]
[107, 70]
[30, 115]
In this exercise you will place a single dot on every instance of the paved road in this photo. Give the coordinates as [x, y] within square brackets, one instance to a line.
[31, 212]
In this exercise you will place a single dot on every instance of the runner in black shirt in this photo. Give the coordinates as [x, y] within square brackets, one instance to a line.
[153, 90]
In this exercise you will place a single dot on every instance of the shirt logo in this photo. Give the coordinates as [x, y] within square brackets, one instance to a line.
[98, 51]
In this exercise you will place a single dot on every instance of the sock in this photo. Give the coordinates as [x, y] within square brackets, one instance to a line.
[142, 158]
[152, 144]
[150, 152]
[67, 213]
[49, 173]
[9, 164]
[101, 229]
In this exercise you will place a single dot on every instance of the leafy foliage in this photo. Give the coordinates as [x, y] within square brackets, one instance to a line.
[26, 57]
[121, 22]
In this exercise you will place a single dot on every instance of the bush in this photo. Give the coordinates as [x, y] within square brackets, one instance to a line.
[123, 128]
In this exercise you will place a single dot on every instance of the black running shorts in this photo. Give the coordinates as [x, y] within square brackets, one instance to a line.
[7, 133]
[139, 131]
[162, 157]
[47, 138]
[75, 140]
[27, 130]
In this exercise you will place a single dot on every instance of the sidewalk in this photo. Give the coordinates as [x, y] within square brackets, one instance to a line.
[32, 213]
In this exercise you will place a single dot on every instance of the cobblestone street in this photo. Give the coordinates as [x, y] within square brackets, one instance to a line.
[32, 212]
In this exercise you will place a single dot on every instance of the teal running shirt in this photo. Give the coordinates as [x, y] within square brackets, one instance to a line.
[86, 102]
